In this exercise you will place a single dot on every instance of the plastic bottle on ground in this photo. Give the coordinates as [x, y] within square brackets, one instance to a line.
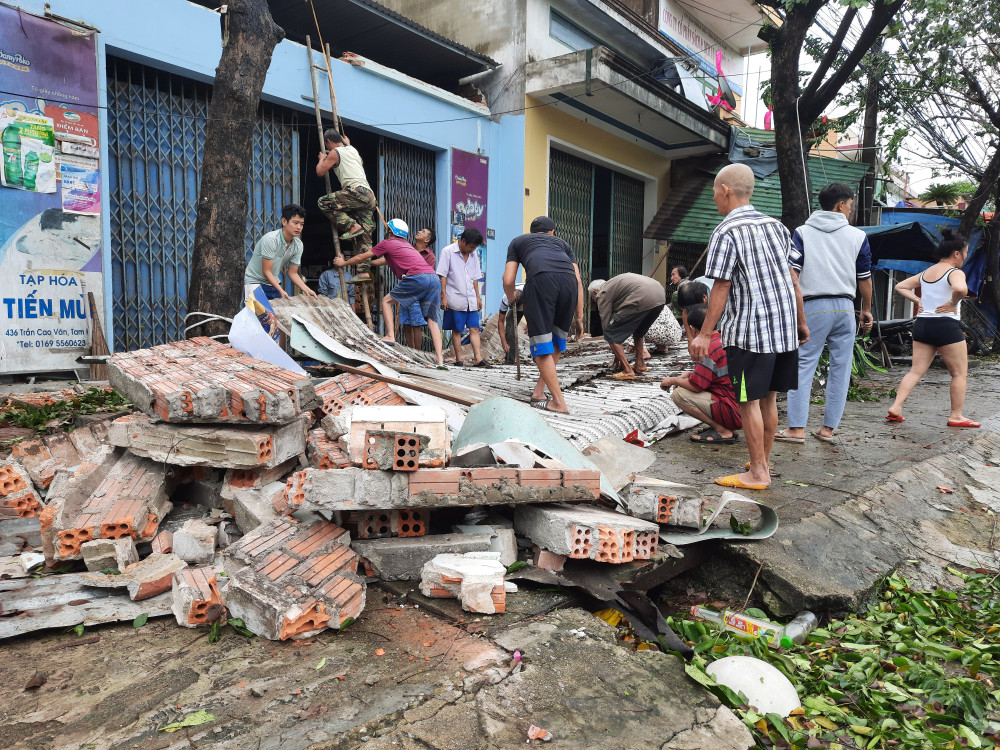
[754, 627]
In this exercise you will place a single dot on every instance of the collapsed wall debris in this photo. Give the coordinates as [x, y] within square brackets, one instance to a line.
[201, 380]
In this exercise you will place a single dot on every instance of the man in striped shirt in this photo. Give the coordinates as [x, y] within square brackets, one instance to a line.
[757, 306]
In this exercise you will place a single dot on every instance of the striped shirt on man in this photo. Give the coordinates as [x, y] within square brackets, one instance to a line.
[752, 250]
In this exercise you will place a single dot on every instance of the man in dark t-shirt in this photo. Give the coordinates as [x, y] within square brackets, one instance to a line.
[553, 298]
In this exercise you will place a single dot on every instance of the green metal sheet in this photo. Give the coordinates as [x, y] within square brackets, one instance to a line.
[702, 217]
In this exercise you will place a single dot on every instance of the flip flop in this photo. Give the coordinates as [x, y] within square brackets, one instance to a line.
[964, 423]
[711, 435]
[544, 406]
[733, 480]
[388, 343]
[352, 235]
[895, 418]
[623, 376]
[457, 364]
[482, 363]
[783, 437]
[832, 439]
[536, 401]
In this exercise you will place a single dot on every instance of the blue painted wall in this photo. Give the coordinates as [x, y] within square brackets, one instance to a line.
[183, 38]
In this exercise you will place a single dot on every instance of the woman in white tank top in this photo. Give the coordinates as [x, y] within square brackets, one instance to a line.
[937, 294]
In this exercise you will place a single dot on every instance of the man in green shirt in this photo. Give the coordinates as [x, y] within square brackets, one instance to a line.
[277, 251]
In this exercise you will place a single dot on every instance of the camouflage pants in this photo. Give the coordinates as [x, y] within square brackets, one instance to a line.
[346, 207]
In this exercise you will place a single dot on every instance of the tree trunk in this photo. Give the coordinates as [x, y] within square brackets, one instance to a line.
[219, 256]
[786, 44]
[990, 177]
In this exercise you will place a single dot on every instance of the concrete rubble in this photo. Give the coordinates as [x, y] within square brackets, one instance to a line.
[476, 579]
[222, 448]
[300, 491]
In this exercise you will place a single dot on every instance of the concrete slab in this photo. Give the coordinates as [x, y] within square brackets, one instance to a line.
[402, 559]
[230, 447]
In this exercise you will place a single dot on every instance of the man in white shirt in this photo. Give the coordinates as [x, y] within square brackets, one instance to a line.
[459, 270]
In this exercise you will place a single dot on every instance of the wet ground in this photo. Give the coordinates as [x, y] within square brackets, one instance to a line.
[410, 675]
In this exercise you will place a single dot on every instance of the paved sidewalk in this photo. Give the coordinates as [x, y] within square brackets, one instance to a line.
[852, 513]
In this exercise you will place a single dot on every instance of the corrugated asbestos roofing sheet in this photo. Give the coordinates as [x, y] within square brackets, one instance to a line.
[689, 214]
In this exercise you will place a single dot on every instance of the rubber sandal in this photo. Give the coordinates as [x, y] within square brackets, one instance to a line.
[711, 436]
[388, 343]
[895, 418]
[456, 364]
[783, 437]
[536, 401]
[482, 363]
[831, 439]
[544, 406]
[623, 376]
[733, 480]
[964, 423]
[352, 235]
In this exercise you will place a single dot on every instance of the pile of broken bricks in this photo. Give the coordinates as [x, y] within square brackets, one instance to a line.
[244, 490]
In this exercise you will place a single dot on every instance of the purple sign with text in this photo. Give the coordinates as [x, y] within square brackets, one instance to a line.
[469, 182]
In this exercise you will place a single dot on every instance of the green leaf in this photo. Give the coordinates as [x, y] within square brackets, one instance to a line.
[215, 631]
[78, 629]
[346, 624]
[139, 621]
[797, 484]
[516, 566]
[191, 720]
[322, 663]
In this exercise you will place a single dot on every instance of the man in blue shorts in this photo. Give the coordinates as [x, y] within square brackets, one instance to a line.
[459, 270]
[553, 301]
[417, 282]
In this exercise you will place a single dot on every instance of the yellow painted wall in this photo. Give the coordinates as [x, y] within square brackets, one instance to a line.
[542, 122]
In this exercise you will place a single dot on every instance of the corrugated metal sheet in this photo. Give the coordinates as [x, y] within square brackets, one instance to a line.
[599, 406]
[689, 214]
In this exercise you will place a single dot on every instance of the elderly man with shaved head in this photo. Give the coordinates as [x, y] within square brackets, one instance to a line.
[757, 306]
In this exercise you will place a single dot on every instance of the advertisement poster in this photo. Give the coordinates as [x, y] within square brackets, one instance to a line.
[81, 185]
[469, 182]
[50, 202]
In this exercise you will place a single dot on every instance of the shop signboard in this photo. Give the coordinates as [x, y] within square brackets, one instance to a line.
[50, 201]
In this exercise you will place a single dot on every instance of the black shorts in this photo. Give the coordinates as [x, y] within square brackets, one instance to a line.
[549, 305]
[937, 331]
[618, 329]
[754, 375]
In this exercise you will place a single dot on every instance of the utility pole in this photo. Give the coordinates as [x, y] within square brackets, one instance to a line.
[869, 135]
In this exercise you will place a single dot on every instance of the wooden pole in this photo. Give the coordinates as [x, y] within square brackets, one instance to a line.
[326, 177]
[430, 390]
[98, 344]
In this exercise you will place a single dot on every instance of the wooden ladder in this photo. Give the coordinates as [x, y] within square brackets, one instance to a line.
[337, 124]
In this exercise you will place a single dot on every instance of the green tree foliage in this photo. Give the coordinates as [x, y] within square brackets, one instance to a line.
[944, 194]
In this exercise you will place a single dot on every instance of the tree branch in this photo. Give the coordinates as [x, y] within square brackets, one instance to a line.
[881, 16]
[980, 95]
[836, 44]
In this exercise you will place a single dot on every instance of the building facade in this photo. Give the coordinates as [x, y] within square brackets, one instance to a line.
[609, 93]
[152, 74]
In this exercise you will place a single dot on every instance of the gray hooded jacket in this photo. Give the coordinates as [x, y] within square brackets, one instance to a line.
[830, 256]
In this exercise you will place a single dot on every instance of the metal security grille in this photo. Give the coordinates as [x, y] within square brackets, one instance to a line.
[626, 224]
[156, 128]
[407, 190]
[571, 207]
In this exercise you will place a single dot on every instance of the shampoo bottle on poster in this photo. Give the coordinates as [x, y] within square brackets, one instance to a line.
[30, 170]
[12, 156]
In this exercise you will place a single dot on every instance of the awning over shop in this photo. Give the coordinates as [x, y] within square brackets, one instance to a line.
[372, 30]
[905, 247]
[609, 92]
[689, 214]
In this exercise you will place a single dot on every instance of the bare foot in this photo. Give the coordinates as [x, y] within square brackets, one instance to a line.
[748, 477]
